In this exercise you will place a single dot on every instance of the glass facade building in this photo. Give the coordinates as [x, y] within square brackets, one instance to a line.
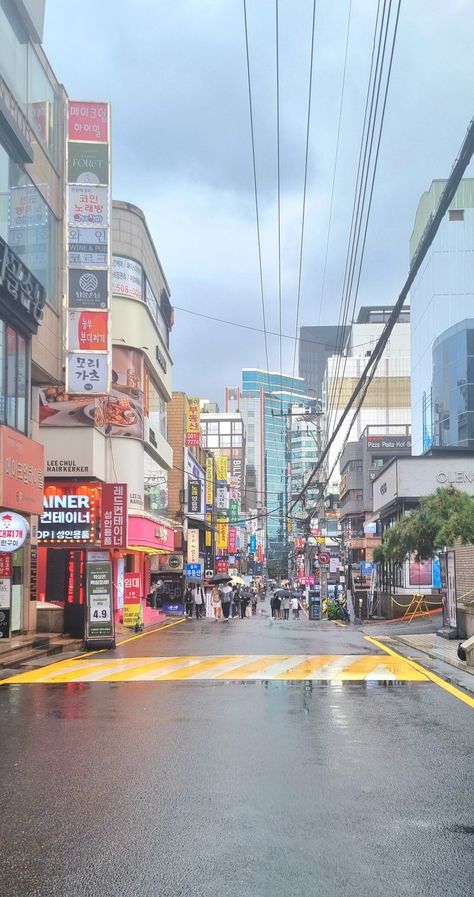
[441, 297]
[278, 392]
[452, 396]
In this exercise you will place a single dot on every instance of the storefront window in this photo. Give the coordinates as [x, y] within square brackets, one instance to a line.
[13, 378]
[27, 224]
[155, 486]
[41, 104]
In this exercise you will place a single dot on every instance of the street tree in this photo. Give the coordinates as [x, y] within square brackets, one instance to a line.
[441, 519]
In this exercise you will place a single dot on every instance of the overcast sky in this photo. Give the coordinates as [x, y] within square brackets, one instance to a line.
[175, 73]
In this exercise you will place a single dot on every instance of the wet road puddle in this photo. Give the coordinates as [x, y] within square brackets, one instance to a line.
[229, 667]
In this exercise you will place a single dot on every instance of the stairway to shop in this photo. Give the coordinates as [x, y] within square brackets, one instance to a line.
[23, 648]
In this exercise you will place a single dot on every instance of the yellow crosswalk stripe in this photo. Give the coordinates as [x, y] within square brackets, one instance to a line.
[224, 667]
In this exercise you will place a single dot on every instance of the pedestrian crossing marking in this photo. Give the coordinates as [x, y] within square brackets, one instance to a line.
[226, 667]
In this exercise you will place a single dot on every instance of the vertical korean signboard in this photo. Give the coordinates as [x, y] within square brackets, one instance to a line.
[193, 422]
[88, 221]
[132, 600]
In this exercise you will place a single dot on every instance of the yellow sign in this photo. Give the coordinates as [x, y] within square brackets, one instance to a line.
[222, 535]
[210, 481]
[208, 531]
[193, 422]
[132, 614]
[221, 468]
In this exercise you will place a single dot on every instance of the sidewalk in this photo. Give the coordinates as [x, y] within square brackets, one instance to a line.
[436, 648]
[151, 618]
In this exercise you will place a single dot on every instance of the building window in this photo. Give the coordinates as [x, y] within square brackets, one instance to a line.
[156, 406]
[212, 427]
[456, 214]
[237, 441]
[155, 486]
[212, 441]
[237, 426]
[224, 426]
[224, 441]
[14, 361]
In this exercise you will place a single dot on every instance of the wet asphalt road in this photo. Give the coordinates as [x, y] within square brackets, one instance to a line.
[241, 789]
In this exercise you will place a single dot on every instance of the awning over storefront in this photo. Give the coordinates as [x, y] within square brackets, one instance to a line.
[148, 535]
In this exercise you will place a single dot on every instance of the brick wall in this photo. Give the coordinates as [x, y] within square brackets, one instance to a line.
[464, 563]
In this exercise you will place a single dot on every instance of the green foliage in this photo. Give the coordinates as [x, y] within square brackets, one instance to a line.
[440, 519]
[333, 612]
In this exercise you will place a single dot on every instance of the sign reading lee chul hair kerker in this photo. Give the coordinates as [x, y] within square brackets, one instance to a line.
[88, 216]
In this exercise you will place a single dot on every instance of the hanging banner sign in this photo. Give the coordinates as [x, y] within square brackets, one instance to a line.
[88, 246]
[193, 426]
[88, 330]
[221, 469]
[193, 546]
[88, 121]
[208, 529]
[253, 543]
[100, 620]
[114, 515]
[209, 483]
[222, 535]
[221, 498]
[6, 566]
[87, 374]
[233, 510]
[232, 540]
[194, 497]
[87, 289]
[88, 163]
[88, 205]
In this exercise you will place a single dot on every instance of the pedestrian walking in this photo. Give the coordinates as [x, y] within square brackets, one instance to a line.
[276, 605]
[254, 603]
[188, 602]
[295, 607]
[226, 599]
[198, 598]
[243, 604]
[216, 603]
[285, 605]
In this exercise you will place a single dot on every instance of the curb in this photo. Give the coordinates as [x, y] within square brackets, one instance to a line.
[451, 678]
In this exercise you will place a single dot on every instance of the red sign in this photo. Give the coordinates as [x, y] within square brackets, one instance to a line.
[324, 558]
[88, 121]
[114, 515]
[222, 566]
[6, 566]
[232, 540]
[89, 330]
[259, 553]
[22, 472]
[132, 588]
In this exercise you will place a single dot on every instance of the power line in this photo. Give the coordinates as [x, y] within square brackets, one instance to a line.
[305, 181]
[277, 42]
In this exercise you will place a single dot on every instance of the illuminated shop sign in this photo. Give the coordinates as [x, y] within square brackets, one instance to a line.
[71, 515]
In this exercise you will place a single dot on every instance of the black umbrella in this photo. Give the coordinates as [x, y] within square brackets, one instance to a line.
[220, 578]
[194, 581]
[283, 593]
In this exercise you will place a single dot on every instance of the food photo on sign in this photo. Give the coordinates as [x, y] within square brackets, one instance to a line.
[119, 414]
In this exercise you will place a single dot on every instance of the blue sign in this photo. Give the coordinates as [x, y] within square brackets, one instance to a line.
[253, 543]
[173, 608]
[194, 570]
[366, 568]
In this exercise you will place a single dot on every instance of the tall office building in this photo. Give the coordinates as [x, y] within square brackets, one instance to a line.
[264, 400]
[387, 402]
[316, 345]
[441, 302]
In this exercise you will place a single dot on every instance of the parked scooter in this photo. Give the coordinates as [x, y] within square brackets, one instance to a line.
[342, 610]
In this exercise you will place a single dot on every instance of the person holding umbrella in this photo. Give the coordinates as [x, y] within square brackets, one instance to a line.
[225, 592]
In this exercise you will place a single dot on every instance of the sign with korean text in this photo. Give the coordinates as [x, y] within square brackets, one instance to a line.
[99, 621]
[114, 515]
[88, 246]
[20, 291]
[88, 330]
[88, 205]
[88, 163]
[132, 588]
[87, 374]
[87, 288]
[194, 571]
[233, 510]
[88, 121]
[193, 431]
[208, 529]
[71, 514]
[21, 475]
[253, 543]
[127, 278]
[232, 540]
[193, 546]
[221, 498]
[333, 564]
[6, 566]
[209, 483]
[194, 497]
[222, 566]
[222, 535]
[221, 469]
[14, 531]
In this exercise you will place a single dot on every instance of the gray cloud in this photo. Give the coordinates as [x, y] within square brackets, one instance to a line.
[175, 74]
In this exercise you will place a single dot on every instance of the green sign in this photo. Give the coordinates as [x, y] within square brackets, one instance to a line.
[100, 624]
[88, 163]
[233, 510]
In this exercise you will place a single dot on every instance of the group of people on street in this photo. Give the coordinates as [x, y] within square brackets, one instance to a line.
[281, 606]
[226, 601]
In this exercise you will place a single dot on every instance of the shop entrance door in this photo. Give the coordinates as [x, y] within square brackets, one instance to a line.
[66, 584]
